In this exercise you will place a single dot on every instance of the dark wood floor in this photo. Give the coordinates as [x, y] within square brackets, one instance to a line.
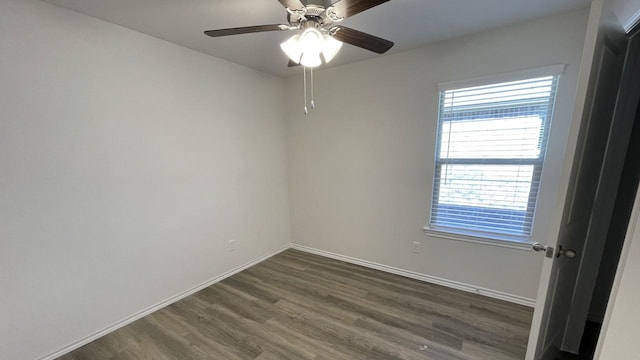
[300, 306]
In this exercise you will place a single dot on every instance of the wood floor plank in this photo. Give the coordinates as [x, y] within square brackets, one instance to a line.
[255, 310]
[307, 277]
[371, 280]
[322, 348]
[303, 298]
[269, 342]
[300, 306]
[345, 338]
[243, 345]
[429, 348]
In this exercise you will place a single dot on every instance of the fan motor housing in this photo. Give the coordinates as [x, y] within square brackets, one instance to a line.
[323, 17]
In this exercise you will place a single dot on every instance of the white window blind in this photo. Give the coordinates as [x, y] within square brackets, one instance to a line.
[490, 150]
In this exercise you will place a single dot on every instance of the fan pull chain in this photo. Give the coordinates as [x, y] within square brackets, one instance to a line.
[313, 104]
[304, 83]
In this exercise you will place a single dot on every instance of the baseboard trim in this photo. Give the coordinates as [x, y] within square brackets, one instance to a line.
[422, 277]
[128, 320]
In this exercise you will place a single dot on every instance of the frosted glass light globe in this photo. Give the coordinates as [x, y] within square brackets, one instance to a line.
[292, 48]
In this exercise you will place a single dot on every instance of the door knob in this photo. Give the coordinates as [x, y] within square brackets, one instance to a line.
[568, 253]
[548, 250]
[539, 247]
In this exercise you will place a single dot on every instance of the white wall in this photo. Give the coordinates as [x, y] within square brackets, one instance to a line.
[126, 163]
[619, 335]
[627, 11]
[361, 165]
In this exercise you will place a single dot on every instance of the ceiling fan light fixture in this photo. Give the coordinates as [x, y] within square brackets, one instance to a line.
[311, 41]
[292, 48]
[305, 49]
[315, 41]
[311, 59]
[330, 48]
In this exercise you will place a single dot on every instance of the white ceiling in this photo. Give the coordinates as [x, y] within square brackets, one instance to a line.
[409, 23]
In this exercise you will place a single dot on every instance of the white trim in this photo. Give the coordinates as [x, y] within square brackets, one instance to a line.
[632, 22]
[633, 232]
[472, 238]
[422, 277]
[550, 70]
[128, 320]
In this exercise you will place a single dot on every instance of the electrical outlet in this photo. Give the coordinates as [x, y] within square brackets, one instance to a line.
[231, 245]
[415, 247]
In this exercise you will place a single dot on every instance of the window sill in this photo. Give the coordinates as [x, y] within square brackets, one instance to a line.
[511, 243]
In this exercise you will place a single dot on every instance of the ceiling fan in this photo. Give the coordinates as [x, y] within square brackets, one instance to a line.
[318, 33]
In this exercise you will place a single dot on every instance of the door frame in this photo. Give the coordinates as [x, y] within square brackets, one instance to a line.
[599, 25]
[633, 232]
[623, 122]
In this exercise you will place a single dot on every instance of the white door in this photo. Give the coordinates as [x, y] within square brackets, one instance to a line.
[608, 184]
[595, 103]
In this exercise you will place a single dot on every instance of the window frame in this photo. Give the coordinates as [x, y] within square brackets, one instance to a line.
[486, 237]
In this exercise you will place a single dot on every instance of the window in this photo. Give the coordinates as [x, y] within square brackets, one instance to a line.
[490, 150]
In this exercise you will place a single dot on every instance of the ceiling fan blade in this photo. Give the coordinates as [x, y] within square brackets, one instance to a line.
[245, 30]
[292, 4]
[347, 8]
[362, 40]
[292, 63]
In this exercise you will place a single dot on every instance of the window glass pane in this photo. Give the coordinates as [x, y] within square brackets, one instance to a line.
[488, 220]
[493, 198]
[528, 91]
[486, 186]
[491, 145]
[504, 138]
